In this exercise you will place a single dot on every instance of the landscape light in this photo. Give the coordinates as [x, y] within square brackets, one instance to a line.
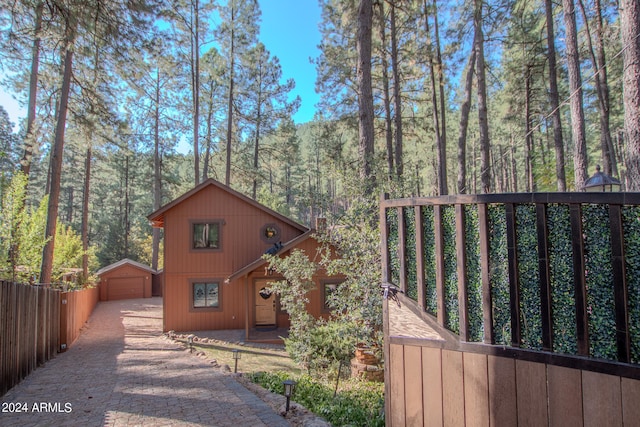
[289, 386]
[236, 357]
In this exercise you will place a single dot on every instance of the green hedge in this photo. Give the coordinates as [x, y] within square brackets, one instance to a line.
[357, 403]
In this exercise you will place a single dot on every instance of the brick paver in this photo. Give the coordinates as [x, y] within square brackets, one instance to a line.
[123, 372]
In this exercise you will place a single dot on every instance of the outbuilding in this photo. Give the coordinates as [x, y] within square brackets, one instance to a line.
[125, 279]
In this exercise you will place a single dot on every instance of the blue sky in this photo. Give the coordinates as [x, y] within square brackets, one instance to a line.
[289, 30]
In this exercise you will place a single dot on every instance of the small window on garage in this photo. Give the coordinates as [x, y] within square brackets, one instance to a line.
[205, 294]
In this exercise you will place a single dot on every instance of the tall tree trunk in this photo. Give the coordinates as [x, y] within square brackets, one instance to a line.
[514, 166]
[443, 110]
[531, 185]
[256, 149]
[57, 152]
[483, 120]
[85, 213]
[554, 99]
[195, 88]
[464, 124]
[388, 132]
[207, 153]
[440, 145]
[157, 175]
[365, 92]
[630, 28]
[580, 161]
[227, 175]
[602, 88]
[30, 138]
[396, 95]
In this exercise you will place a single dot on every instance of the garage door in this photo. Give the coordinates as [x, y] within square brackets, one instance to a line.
[125, 287]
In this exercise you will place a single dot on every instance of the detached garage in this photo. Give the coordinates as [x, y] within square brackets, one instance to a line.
[125, 279]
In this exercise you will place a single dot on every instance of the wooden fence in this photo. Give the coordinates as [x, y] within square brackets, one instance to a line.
[34, 322]
[77, 306]
[546, 284]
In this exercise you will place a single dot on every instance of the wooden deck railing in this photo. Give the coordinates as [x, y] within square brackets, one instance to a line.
[550, 273]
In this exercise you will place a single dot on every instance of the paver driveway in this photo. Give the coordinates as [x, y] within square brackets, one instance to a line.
[123, 372]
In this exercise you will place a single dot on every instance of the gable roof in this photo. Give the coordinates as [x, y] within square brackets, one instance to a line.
[124, 262]
[157, 217]
[260, 261]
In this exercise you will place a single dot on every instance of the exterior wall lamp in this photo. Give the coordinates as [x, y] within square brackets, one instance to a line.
[601, 182]
[236, 356]
[289, 387]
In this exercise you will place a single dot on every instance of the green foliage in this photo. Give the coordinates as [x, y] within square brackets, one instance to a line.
[499, 277]
[298, 272]
[359, 403]
[561, 277]
[393, 245]
[429, 254]
[409, 214]
[451, 306]
[22, 237]
[348, 250]
[631, 226]
[599, 281]
[474, 277]
[528, 277]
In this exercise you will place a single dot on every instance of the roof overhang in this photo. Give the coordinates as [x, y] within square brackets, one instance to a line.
[260, 262]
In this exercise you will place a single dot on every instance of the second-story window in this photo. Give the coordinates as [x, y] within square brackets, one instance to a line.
[206, 235]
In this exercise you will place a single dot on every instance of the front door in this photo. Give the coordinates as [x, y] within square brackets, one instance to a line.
[265, 304]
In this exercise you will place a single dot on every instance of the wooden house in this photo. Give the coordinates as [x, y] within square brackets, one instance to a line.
[214, 274]
[125, 279]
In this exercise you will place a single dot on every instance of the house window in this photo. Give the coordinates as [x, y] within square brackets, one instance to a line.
[206, 235]
[206, 294]
[328, 289]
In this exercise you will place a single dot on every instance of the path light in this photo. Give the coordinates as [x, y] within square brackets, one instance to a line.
[289, 386]
[601, 182]
[190, 341]
[236, 357]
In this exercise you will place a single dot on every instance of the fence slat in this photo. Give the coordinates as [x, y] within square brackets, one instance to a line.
[619, 284]
[579, 279]
[545, 281]
[461, 265]
[514, 282]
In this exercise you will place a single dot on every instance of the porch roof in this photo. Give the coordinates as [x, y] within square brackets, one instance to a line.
[244, 271]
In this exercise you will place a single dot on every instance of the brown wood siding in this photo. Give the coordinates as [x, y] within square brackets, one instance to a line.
[502, 391]
[601, 400]
[532, 391]
[180, 315]
[565, 391]
[413, 385]
[476, 390]
[452, 388]
[241, 245]
[397, 394]
[630, 401]
[432, 386]
[471, 389]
